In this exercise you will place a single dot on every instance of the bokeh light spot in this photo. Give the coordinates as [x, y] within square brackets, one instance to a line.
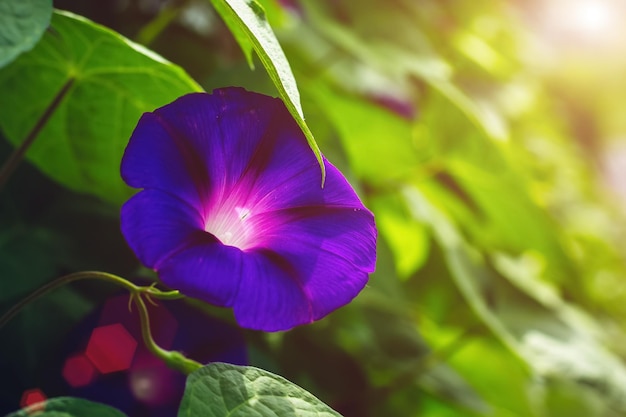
[153, 383]
[78, 371]
[591, 17]
[33, 396]
[581, 23]
[111, 348]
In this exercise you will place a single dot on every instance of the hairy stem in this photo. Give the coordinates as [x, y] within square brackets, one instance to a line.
[18, 154]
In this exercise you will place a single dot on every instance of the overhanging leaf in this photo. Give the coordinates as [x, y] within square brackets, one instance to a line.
[68, 407]
[112, 81]
[22, 22]
[221, 389]
[249, 15]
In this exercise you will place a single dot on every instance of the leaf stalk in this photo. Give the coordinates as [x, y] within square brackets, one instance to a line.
[18, 154]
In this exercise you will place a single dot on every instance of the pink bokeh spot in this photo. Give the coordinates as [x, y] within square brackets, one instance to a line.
[33, 396]
[111, 348]
[78, 371]
[152, 382]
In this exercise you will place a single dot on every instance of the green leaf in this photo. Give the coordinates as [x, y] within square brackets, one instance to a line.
[221, 389]
[483, 362]
[377, 142]
[22, 22]
[500, 199]
[68, 407]
[407, 238]
[407, 55]
[249, 15]
[112, 81]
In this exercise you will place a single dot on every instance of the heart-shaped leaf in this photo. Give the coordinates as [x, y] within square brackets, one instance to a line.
[103, 83]
[220, 390]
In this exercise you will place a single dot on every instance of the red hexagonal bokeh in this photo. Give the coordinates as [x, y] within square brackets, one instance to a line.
[111, 348]
[78, 370]
[33, 396]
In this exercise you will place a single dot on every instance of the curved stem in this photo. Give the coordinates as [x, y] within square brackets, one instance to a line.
[18, 154]
[66, 279]
[174, 359]
[77, 276]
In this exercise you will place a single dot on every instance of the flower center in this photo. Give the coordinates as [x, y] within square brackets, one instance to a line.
[231, 226]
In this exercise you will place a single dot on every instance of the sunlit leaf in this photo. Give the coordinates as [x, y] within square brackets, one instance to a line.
[510, 217]
[109, 83]
[408, 238]
[555, 339]
[414, 59]
[378, 142]
[485, 363]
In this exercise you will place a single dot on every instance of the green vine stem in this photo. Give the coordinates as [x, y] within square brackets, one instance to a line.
[174, 359]
[18, 154]
[162, 20]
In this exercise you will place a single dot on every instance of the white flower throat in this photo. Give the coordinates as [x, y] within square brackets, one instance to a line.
[229, 225]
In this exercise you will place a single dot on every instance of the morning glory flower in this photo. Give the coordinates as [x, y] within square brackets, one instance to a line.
[232, 211]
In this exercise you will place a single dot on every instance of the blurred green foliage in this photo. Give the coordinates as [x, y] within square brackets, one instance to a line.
[479, 139]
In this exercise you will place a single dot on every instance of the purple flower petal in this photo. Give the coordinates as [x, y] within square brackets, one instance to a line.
[312, 254]
[163, 167]
[208, 271]
[157, 225]
[232, 211]
[189, 147]
[269, 297]
[346, 233]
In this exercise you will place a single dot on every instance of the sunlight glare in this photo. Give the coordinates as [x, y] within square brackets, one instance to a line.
[592, 21]
[591, 17]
